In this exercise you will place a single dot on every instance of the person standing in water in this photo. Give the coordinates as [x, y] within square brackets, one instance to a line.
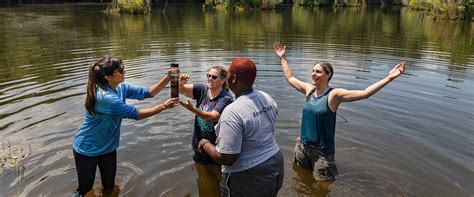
[211, 99]
[97, 139]
[315, 147]
[252, 164]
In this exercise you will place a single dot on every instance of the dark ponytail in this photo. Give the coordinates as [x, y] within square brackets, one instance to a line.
[97, 72]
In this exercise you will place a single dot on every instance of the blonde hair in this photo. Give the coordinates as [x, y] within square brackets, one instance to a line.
[222, 74]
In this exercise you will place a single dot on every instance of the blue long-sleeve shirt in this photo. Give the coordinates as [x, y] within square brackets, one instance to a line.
[100, 133]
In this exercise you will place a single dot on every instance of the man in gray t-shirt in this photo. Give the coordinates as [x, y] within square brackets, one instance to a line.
[246, 146]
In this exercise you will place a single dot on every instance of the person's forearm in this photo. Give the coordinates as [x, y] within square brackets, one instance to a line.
[208, 116]
[286, 68]
[374, 88]
[223, 159]
[154, 89]
[186, 90]
[147, 112]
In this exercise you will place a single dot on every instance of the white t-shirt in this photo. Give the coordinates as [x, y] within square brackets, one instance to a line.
[246, 127]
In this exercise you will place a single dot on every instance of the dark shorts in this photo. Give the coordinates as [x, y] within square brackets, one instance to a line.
[312, 158]
[265, 179]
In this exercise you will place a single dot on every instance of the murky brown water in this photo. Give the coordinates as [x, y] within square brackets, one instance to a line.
[414, 138]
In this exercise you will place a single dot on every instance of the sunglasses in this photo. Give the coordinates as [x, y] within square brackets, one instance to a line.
[214, 77]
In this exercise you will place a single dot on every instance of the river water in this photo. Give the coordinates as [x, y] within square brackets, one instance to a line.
[413, 138]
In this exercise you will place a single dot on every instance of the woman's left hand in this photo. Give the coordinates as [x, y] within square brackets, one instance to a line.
[397, 70]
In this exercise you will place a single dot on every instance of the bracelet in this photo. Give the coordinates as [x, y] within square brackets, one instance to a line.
[164, 105]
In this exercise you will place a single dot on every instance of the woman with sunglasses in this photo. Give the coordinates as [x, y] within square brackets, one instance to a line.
[97, 139]
[315, 146]
[211, 99]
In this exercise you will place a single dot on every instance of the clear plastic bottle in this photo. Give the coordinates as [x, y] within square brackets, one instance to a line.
[174, 74]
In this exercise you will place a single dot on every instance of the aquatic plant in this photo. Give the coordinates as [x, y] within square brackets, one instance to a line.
[12, 154]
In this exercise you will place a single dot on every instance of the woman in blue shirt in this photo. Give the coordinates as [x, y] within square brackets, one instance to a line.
[97, 139]
[315, 147]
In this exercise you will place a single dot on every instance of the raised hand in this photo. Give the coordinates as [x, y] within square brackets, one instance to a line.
[183, 79]
[279, 50]
[397, 70]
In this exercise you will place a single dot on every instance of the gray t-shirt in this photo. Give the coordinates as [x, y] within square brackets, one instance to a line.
[246, 127]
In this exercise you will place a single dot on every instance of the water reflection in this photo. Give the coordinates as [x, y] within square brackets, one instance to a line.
[412, 138]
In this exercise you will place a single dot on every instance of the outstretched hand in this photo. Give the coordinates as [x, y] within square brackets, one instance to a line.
[279, 50]
[188, 105]
[397, 70]
[172, 102]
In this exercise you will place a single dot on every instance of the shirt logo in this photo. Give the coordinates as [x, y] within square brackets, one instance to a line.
[263, 110]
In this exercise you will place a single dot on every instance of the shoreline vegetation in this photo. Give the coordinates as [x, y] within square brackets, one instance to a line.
[129, 6]
[437, 9]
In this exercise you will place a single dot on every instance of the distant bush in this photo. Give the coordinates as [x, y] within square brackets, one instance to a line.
[130, 6]
[442, 9]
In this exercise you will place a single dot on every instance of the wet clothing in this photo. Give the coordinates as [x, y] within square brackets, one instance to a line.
[266, 179]
[312, 158]
[202, 128]
[315, 147]
[318, 123]
[86, 167]
[100, 133]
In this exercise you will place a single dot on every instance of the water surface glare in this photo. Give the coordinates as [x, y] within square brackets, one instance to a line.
[413, 138]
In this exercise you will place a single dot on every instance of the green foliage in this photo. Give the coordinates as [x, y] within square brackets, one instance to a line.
[130, 6]
[315, 3]
[441, 9]
[242, 4]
